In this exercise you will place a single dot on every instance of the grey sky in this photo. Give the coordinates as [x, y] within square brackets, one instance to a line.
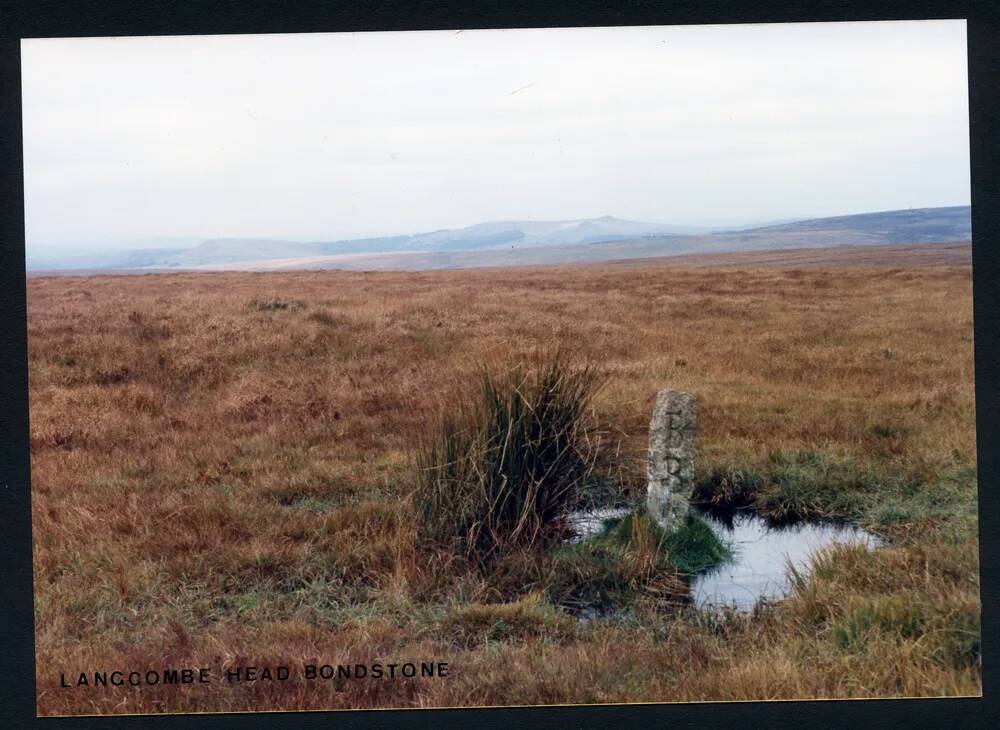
[337, 135]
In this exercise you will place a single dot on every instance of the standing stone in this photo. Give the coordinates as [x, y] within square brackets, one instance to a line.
[670, 468]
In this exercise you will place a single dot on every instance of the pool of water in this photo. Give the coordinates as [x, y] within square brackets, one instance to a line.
[589, 523]
[762, 553]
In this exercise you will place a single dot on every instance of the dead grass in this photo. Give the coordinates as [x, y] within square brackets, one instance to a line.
[218, 481]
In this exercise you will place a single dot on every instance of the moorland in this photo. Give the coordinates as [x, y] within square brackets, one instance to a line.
[223, 467]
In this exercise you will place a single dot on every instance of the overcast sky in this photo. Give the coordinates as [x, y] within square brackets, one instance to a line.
[349, 134]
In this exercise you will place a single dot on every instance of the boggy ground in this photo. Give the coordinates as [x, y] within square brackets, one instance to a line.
[219, 463]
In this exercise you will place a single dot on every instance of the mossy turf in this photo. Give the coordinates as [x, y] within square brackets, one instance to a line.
[633, 559]
[692, 548]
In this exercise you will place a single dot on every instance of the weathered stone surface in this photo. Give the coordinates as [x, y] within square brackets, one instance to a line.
[670, 467]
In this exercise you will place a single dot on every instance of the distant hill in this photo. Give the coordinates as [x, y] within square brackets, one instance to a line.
[508, 243]
[927, 225]
[222, 251]
[492, 235]
[528, 234]
[100, 260]
[916, 225]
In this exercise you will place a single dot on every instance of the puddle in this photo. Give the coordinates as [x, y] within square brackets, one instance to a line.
[591, 522]
[762, 553]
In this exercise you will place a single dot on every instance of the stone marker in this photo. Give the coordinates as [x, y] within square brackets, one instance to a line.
[670, 468]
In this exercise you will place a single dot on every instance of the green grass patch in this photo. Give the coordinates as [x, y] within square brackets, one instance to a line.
[888, 495]
[950, 637]
[891, 617]
[729, 487]
[632, 559]
[691, 548]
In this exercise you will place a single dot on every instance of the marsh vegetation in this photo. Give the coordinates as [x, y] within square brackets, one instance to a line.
[254, 469]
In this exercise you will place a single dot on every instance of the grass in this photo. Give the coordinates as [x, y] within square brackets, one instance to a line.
[212, 483]
[529, 617]
[632, 561]
[496, 484]
[276, 305]
[690, 549]
[903, 494]
[502, 473]
[694, 548]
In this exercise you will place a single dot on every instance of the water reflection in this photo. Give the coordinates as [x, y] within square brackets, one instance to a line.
[762, 552]
[589, 523]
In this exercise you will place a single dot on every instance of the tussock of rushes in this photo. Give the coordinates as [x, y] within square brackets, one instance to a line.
[502, 472]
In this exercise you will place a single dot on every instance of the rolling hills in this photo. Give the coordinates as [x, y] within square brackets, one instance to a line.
[509, 243]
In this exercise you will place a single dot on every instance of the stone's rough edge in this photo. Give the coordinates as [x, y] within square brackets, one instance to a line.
[670, 464]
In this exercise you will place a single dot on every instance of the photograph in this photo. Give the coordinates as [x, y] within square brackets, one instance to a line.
[485, 368]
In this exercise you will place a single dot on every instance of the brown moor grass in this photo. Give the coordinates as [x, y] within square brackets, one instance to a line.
[219, 463]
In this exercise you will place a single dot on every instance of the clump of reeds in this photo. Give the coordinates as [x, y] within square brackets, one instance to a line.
[274, 305]
[504, 469]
